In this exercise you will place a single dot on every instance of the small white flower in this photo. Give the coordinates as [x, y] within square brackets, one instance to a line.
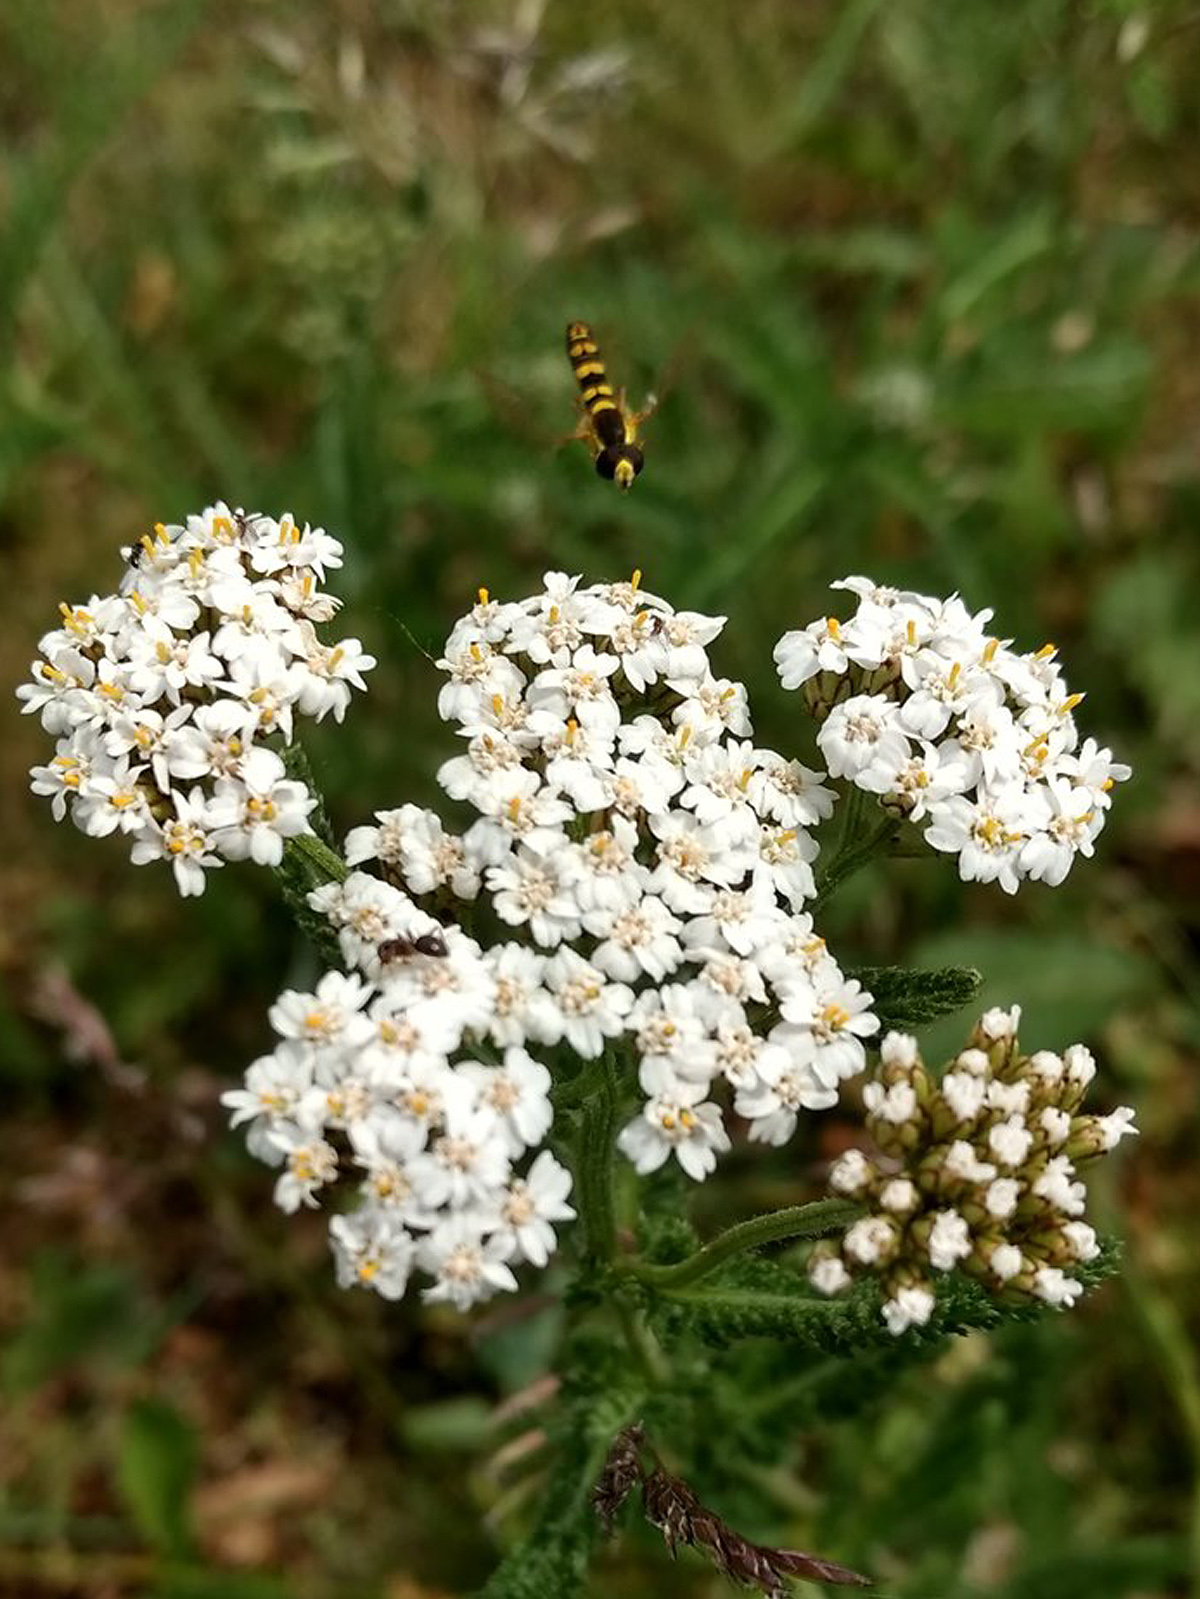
[592, 1008]
[1001, 1197]
[850, 1173]
[908, 1307]
[949, 1240]
[184, 839]
[678, 1122]
[1052, 1285]
[528, 1208]
[1010, 1141]
[828, 1275]
[1082, 1239]
[870, 1240]
[862, 739]
[517, 1094]
[1006, 1261]
[1116, 1126]
[372, 1250]
[899, 1195]
[896, 1104]
[252, 814]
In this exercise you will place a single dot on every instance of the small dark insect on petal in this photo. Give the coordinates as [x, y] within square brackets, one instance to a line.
[396, 949]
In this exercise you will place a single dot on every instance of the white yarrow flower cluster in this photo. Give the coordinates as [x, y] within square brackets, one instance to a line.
[408, 1081]
[649, 865]
[166, 699]
[976, 1172]
[652, 859]
[946, 724]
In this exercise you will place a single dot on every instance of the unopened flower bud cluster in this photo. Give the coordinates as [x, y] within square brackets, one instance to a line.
[165, 697]
[977, 1172]
[921, 706]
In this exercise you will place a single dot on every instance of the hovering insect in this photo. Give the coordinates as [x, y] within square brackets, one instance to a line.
[608, 426]
[400, 949]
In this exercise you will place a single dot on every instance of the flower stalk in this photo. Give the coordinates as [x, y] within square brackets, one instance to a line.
[796, 1222]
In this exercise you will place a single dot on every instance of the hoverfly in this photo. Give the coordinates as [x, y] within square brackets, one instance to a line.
[608, 426]
[401, 949]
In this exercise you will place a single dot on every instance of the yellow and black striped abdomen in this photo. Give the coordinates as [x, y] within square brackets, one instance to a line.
[594, 388]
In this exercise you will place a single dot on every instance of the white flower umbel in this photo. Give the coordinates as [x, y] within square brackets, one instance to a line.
[975, 1173]
[946, 724]
[162, 697]
[643, 866]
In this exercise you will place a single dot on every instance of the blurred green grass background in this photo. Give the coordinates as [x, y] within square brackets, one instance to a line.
[927, 280]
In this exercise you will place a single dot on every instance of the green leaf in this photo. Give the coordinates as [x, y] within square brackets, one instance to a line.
[553, 1559]
[448, 1426]
[80, 1313]
[155, 1466]
[1067, 986]
[907, 998]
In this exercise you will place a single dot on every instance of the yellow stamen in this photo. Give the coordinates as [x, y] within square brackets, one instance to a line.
[514, 808]
[834, 628]
[483, 596]
[1069, 704]
[635, 582]
[989, 649]
[1046, 651]
[911, 631]
[953, 675]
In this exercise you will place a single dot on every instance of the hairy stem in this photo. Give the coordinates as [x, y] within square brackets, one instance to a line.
[643, 1345]
[861, 839]
[817, 1220]
[594, 1168]
[324, 864]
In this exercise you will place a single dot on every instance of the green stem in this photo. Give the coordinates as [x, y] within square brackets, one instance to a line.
[325, 864]
[643, 1345]
[594, 1168]
[858, 844]
[817, 1220]
[1180, 1371]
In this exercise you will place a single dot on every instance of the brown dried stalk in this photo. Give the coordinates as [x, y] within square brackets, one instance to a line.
[672, 1507]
